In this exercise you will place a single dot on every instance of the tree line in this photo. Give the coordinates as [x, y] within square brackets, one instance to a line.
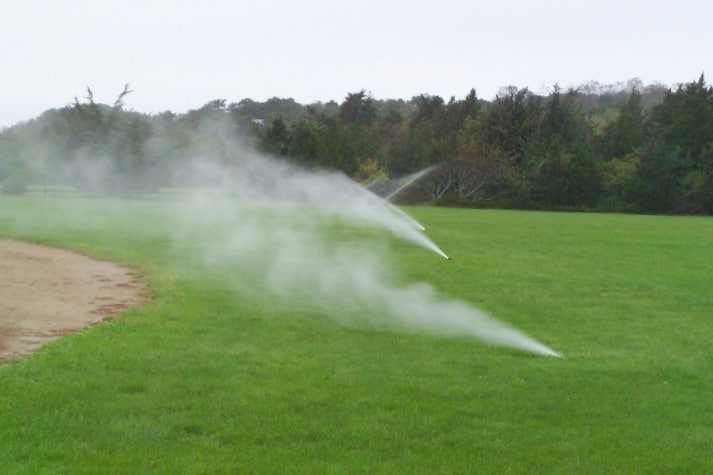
[634, 148]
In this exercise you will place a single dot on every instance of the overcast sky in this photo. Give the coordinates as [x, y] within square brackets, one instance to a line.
[178, 55]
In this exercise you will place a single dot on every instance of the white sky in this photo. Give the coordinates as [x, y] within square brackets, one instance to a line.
[179, 54]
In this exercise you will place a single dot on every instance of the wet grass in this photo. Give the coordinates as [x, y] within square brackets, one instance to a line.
[204, 379]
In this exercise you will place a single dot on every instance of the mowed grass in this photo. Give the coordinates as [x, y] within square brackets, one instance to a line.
[204, 379]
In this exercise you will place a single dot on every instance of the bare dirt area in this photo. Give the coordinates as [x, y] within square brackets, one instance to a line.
[47, 292]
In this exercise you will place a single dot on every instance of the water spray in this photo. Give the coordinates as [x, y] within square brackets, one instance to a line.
[400, 223]
[291, 256]
[405, 228]
[410, 179]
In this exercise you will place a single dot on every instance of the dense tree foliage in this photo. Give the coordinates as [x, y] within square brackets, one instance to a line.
[675, 172]
[628, 147]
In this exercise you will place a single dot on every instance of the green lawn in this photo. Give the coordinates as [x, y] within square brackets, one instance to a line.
[217, 375]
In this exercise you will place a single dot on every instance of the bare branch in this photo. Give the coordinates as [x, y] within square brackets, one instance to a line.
[90, 95]
[440, 182]
[119, 103]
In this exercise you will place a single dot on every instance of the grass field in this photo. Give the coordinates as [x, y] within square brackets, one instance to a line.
[207, 379]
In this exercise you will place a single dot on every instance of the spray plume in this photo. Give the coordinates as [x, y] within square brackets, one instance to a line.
[269, 223]
[274, 226]
[408, 181]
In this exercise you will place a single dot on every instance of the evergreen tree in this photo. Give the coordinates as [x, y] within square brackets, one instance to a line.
[676, 167]
[563, 169]
[275, 138]
[357, 108]
[685, 117]
[511, 122]
[626, 133]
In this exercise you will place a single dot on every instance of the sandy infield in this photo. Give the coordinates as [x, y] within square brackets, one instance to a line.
[46, 293]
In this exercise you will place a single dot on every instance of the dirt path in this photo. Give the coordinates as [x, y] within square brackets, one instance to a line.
[46, 293]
